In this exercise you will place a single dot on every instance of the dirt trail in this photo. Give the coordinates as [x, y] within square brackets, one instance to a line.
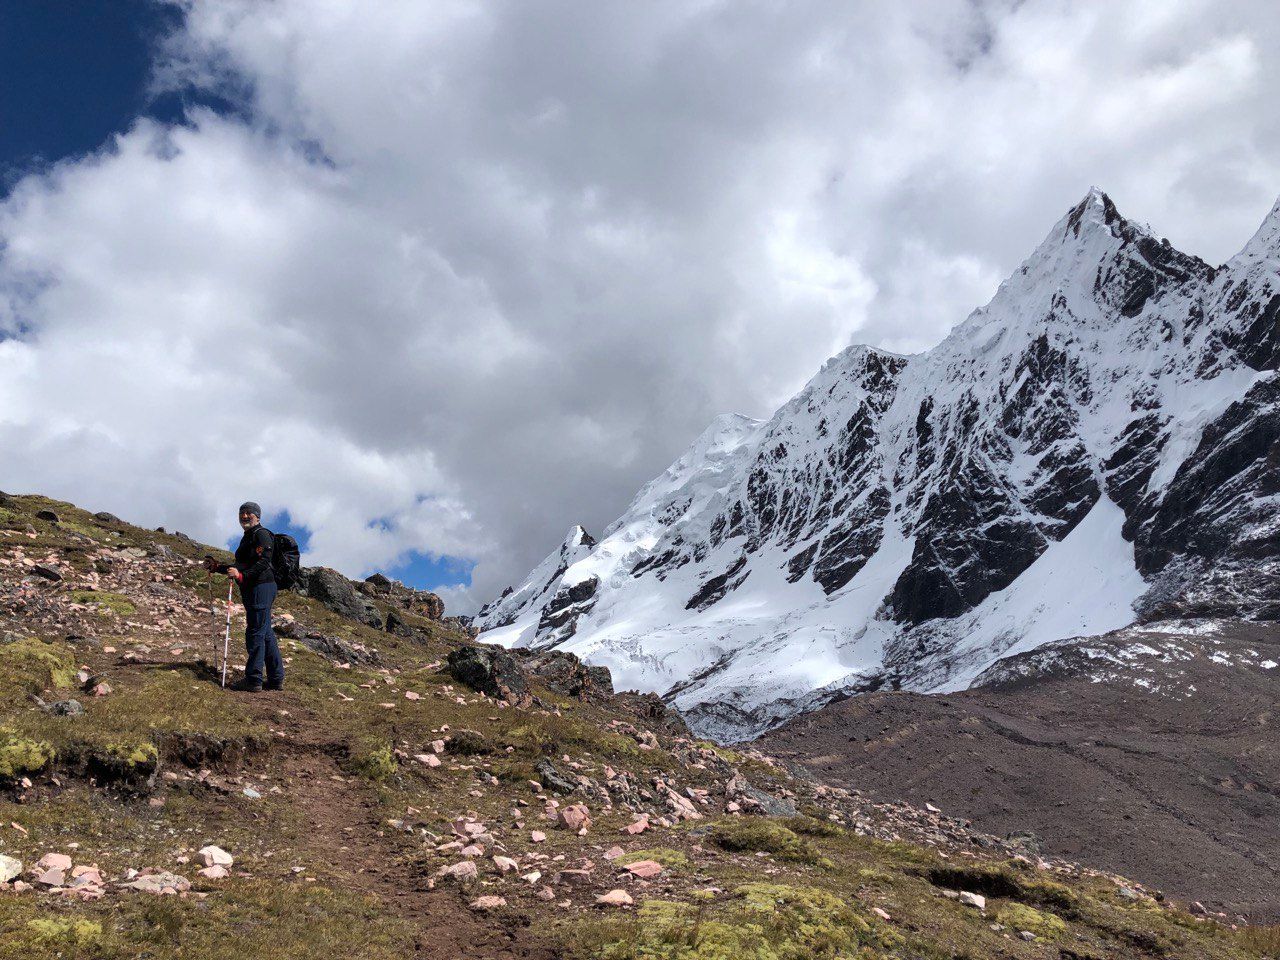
[346, 826]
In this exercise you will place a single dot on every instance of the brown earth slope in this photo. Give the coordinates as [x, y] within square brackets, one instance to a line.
[412, 794]
[1154, 752]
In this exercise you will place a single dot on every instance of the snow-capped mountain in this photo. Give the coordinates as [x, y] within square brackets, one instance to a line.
[1096, 444]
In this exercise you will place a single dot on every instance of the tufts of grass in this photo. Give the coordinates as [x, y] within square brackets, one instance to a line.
[253, 919]
[763, 921]
[116, 603]
[31, 665]
[372, 759]
[763, 836]
[1018, 916]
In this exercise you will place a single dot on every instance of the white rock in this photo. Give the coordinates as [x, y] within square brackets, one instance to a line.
[212, 856]
[9, 868]
[976, 900]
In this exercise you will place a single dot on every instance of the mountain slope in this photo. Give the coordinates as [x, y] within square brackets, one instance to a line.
[392, 801]
[1150, 747]
[906, 521]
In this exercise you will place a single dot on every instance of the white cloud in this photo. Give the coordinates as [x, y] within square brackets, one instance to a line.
[474, 271]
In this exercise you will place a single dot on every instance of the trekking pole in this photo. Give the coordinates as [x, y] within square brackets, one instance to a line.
[226, 637]
[213, 611]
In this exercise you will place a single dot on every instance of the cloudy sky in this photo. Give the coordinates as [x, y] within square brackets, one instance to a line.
[440, 279]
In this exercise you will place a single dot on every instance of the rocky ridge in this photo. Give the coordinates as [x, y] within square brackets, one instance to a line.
[1108, 420]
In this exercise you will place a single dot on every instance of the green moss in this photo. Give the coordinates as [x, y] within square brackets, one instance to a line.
[134, 754]
[761, 921]
[79, 933]
[117, 603]
[813, 827]
[763, 836]
[373, 760]
[252, 919]
[1018, 916]
[669, 858]
[30, 665]
[21, 756]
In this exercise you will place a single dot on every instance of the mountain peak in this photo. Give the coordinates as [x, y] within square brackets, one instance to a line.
[1266, 241]
[1095, 210]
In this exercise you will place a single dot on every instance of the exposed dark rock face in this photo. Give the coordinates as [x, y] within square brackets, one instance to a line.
[560, 615]
[490, 670]
[883, 520]
[565, 673]
[340, 595]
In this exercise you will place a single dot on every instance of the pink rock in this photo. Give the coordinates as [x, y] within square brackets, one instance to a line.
[462, 872]
[100, 690]
[472, 850]
[410, 695]
[575, 817]
[615, 898]
[640, 826]
[644, 869]
[505, 864]
[54, 861]
[613, 853]
[473, 829]
[216, 872]
[52, 878]
[881, 913]
[488, 903]
[537, 836]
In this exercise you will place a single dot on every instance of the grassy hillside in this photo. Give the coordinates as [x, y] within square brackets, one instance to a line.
[378, 807]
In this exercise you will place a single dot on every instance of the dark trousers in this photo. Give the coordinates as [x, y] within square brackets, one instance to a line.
[259, 639]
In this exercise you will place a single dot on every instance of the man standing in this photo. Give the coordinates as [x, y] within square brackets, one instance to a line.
[252, 570]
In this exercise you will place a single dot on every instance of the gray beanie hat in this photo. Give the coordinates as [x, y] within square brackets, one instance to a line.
[250, 507]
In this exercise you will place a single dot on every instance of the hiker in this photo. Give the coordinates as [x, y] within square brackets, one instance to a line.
[254, 572]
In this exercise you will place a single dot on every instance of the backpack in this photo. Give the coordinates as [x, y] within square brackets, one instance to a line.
[286, 560]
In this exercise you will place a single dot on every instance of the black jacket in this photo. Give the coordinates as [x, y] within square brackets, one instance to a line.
[253, 558]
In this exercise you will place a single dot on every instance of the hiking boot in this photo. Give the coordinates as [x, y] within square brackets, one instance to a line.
[273, 685]
[246, 686]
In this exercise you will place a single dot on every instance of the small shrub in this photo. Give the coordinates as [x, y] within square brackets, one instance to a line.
[469, 743]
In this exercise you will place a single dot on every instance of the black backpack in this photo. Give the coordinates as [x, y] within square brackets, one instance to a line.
[286, 560]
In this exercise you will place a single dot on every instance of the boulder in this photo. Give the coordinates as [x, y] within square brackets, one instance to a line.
[565, 673]
[9, 868]
[553, 779]
[644, 869]
[975, 900]
[490, 670]
[47, 515]
[339, 594]
[460, 872]
[103, 517]
[212, 856]
[574, 817]
[615, 898]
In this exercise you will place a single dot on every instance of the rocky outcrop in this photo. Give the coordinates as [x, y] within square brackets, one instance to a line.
[340, 595]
